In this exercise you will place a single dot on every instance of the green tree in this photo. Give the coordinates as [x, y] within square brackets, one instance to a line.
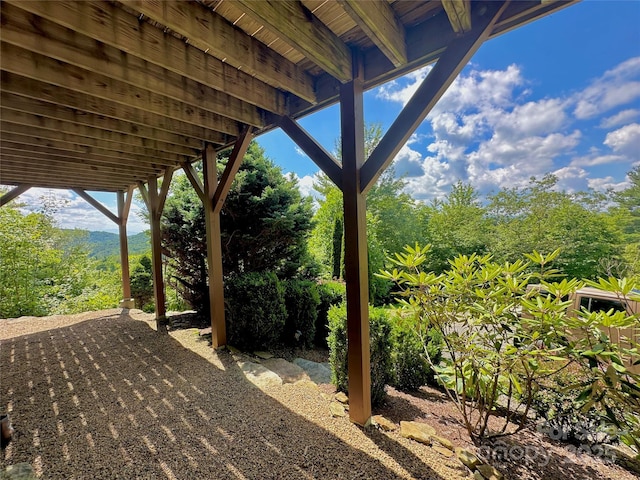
[265, 223]
[539, 217]
[454, 226]
[141, 282]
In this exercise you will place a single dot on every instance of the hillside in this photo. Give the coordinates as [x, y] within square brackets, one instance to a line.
[105, 244]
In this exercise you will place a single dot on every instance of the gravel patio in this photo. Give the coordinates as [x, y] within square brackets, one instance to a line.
[103, 395]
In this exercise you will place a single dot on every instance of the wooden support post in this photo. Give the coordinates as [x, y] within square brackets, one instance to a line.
[214, 194]
[155, 204]
[11, 194]
[355, 234]
[124, 205]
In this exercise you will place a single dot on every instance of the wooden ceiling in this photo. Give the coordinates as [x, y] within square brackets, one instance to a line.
[100, 95]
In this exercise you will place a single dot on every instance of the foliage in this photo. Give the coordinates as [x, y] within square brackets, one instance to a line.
[142, 282]
[264, 225]
[301, 301]
[103, 245]
[411, 369]
[255, 310]
[538, 217]
[330, 294]
[380, 349]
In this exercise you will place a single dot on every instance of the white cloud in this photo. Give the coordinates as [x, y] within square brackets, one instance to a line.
[625, 140]
[74, 212]
[616, 87]
[620, 118]
[299, 151]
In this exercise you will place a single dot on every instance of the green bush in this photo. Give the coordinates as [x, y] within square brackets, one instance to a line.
[256, 312]
[380, 347]
[301, 300]
[331, 293]
[411, 368]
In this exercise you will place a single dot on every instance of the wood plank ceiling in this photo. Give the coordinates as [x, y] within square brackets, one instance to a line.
[101, 95]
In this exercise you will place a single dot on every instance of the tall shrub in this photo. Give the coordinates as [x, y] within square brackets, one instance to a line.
[301, 300]
[380, 348]
[256, 312]
[411, 367]
[330, 293]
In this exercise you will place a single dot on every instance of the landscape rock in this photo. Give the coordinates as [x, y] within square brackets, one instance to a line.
[287, 371]
[384, 423]
[445, 442]
[467, 458]
[318, 372]
[443, 451]
[259, 375]
[489, 472]
[342, 397]
[337, 409]
[477, 475]
[420, 432]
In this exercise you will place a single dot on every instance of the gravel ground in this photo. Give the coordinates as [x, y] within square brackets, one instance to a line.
[103, 395]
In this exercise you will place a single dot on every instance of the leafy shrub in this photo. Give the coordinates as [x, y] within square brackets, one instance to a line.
[256, 312]
[411, 369]
[330, 293]
[380, 347]
[301, 300]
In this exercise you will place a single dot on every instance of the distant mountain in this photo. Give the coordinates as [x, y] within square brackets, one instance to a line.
[105, 244]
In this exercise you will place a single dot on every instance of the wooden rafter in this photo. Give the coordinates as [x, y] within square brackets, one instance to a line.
[459, 13]
[303, 31]
[379, 22]
[215, 35]
[13, 193]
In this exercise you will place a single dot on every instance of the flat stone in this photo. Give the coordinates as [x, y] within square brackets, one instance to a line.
[467, 458]
[420, 432]
[259, 375]
[384, 423]
[205, 331]
[19, 471]
[263, 355]
[233, 350]
[337, 409]
[287, 371]
[443, 451]
[342, 397]
[318, 372]
[489, 472]
[445, 442]
[477, 475]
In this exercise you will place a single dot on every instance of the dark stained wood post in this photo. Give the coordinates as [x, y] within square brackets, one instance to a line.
[356, 262]
[124, 205]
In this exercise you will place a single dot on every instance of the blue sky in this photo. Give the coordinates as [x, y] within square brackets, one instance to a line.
[560, 95]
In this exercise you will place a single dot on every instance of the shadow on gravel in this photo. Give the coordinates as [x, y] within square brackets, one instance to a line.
[110, 398]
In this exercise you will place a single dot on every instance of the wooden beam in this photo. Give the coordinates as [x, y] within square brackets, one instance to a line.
[299, 28]
[104, 61]
[192, 175]
[144, 193]
[46, 139]
[67, 98]
[313, 149]
[231, 169]
[20, 104]
[78, 159]
[164, 190]
[97, 205]
[430, 91]
[13, 193]
[355, 253]
[213, 34]
[459, 13]
[45, 127]
[48, 181]
[19, 162]
[155, 213]
[378, 20]
[143, 40]
[35, 135]
[49, 71]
